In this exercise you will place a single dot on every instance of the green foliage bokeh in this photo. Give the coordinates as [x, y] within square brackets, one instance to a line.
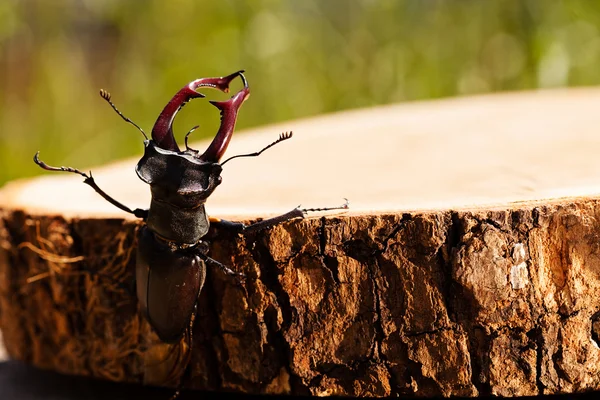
[302, 58]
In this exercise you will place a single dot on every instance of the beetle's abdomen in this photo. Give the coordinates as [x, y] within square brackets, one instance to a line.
[168, 285]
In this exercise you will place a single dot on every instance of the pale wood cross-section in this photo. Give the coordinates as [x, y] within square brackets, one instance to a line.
[488, 284]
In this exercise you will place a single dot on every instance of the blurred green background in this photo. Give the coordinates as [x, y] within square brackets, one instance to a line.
[302, 58]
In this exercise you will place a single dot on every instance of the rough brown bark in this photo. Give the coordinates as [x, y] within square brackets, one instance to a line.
[460, 303]
[456, 301]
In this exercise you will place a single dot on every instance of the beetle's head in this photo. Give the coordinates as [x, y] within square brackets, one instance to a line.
[189, 175]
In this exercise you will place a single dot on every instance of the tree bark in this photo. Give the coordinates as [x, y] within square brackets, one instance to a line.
[487, 297]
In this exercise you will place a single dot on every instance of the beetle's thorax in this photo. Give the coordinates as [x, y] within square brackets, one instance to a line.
[180, 183]
[181, 225]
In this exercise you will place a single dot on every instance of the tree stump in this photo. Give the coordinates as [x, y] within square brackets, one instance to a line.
[468, 264]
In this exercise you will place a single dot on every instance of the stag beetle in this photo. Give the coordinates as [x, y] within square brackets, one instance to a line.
[171, 256]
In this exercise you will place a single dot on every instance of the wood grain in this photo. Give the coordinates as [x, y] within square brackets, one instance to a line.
[468, 265]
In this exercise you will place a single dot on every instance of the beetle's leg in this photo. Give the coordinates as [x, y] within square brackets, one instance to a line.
[225, 269]
[266, 223]
[282, 137]
[89, 180]
[203, 249]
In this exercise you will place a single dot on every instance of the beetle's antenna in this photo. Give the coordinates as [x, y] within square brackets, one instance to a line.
[282, 137]
[106, 96]
[186, 138]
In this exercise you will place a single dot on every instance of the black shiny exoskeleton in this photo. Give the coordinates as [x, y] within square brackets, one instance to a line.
[171, 256]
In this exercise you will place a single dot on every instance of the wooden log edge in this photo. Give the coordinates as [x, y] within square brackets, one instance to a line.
[424, 288]
[463, 303]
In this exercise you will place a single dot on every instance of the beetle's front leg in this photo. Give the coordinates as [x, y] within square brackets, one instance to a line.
[297, 212]
[89, 180]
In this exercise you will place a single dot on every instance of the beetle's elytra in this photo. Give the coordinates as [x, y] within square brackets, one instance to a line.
[172, 258]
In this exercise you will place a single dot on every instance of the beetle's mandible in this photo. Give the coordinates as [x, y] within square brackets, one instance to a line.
[172, 258]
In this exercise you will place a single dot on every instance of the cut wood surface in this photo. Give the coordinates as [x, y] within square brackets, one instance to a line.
[468, 264]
